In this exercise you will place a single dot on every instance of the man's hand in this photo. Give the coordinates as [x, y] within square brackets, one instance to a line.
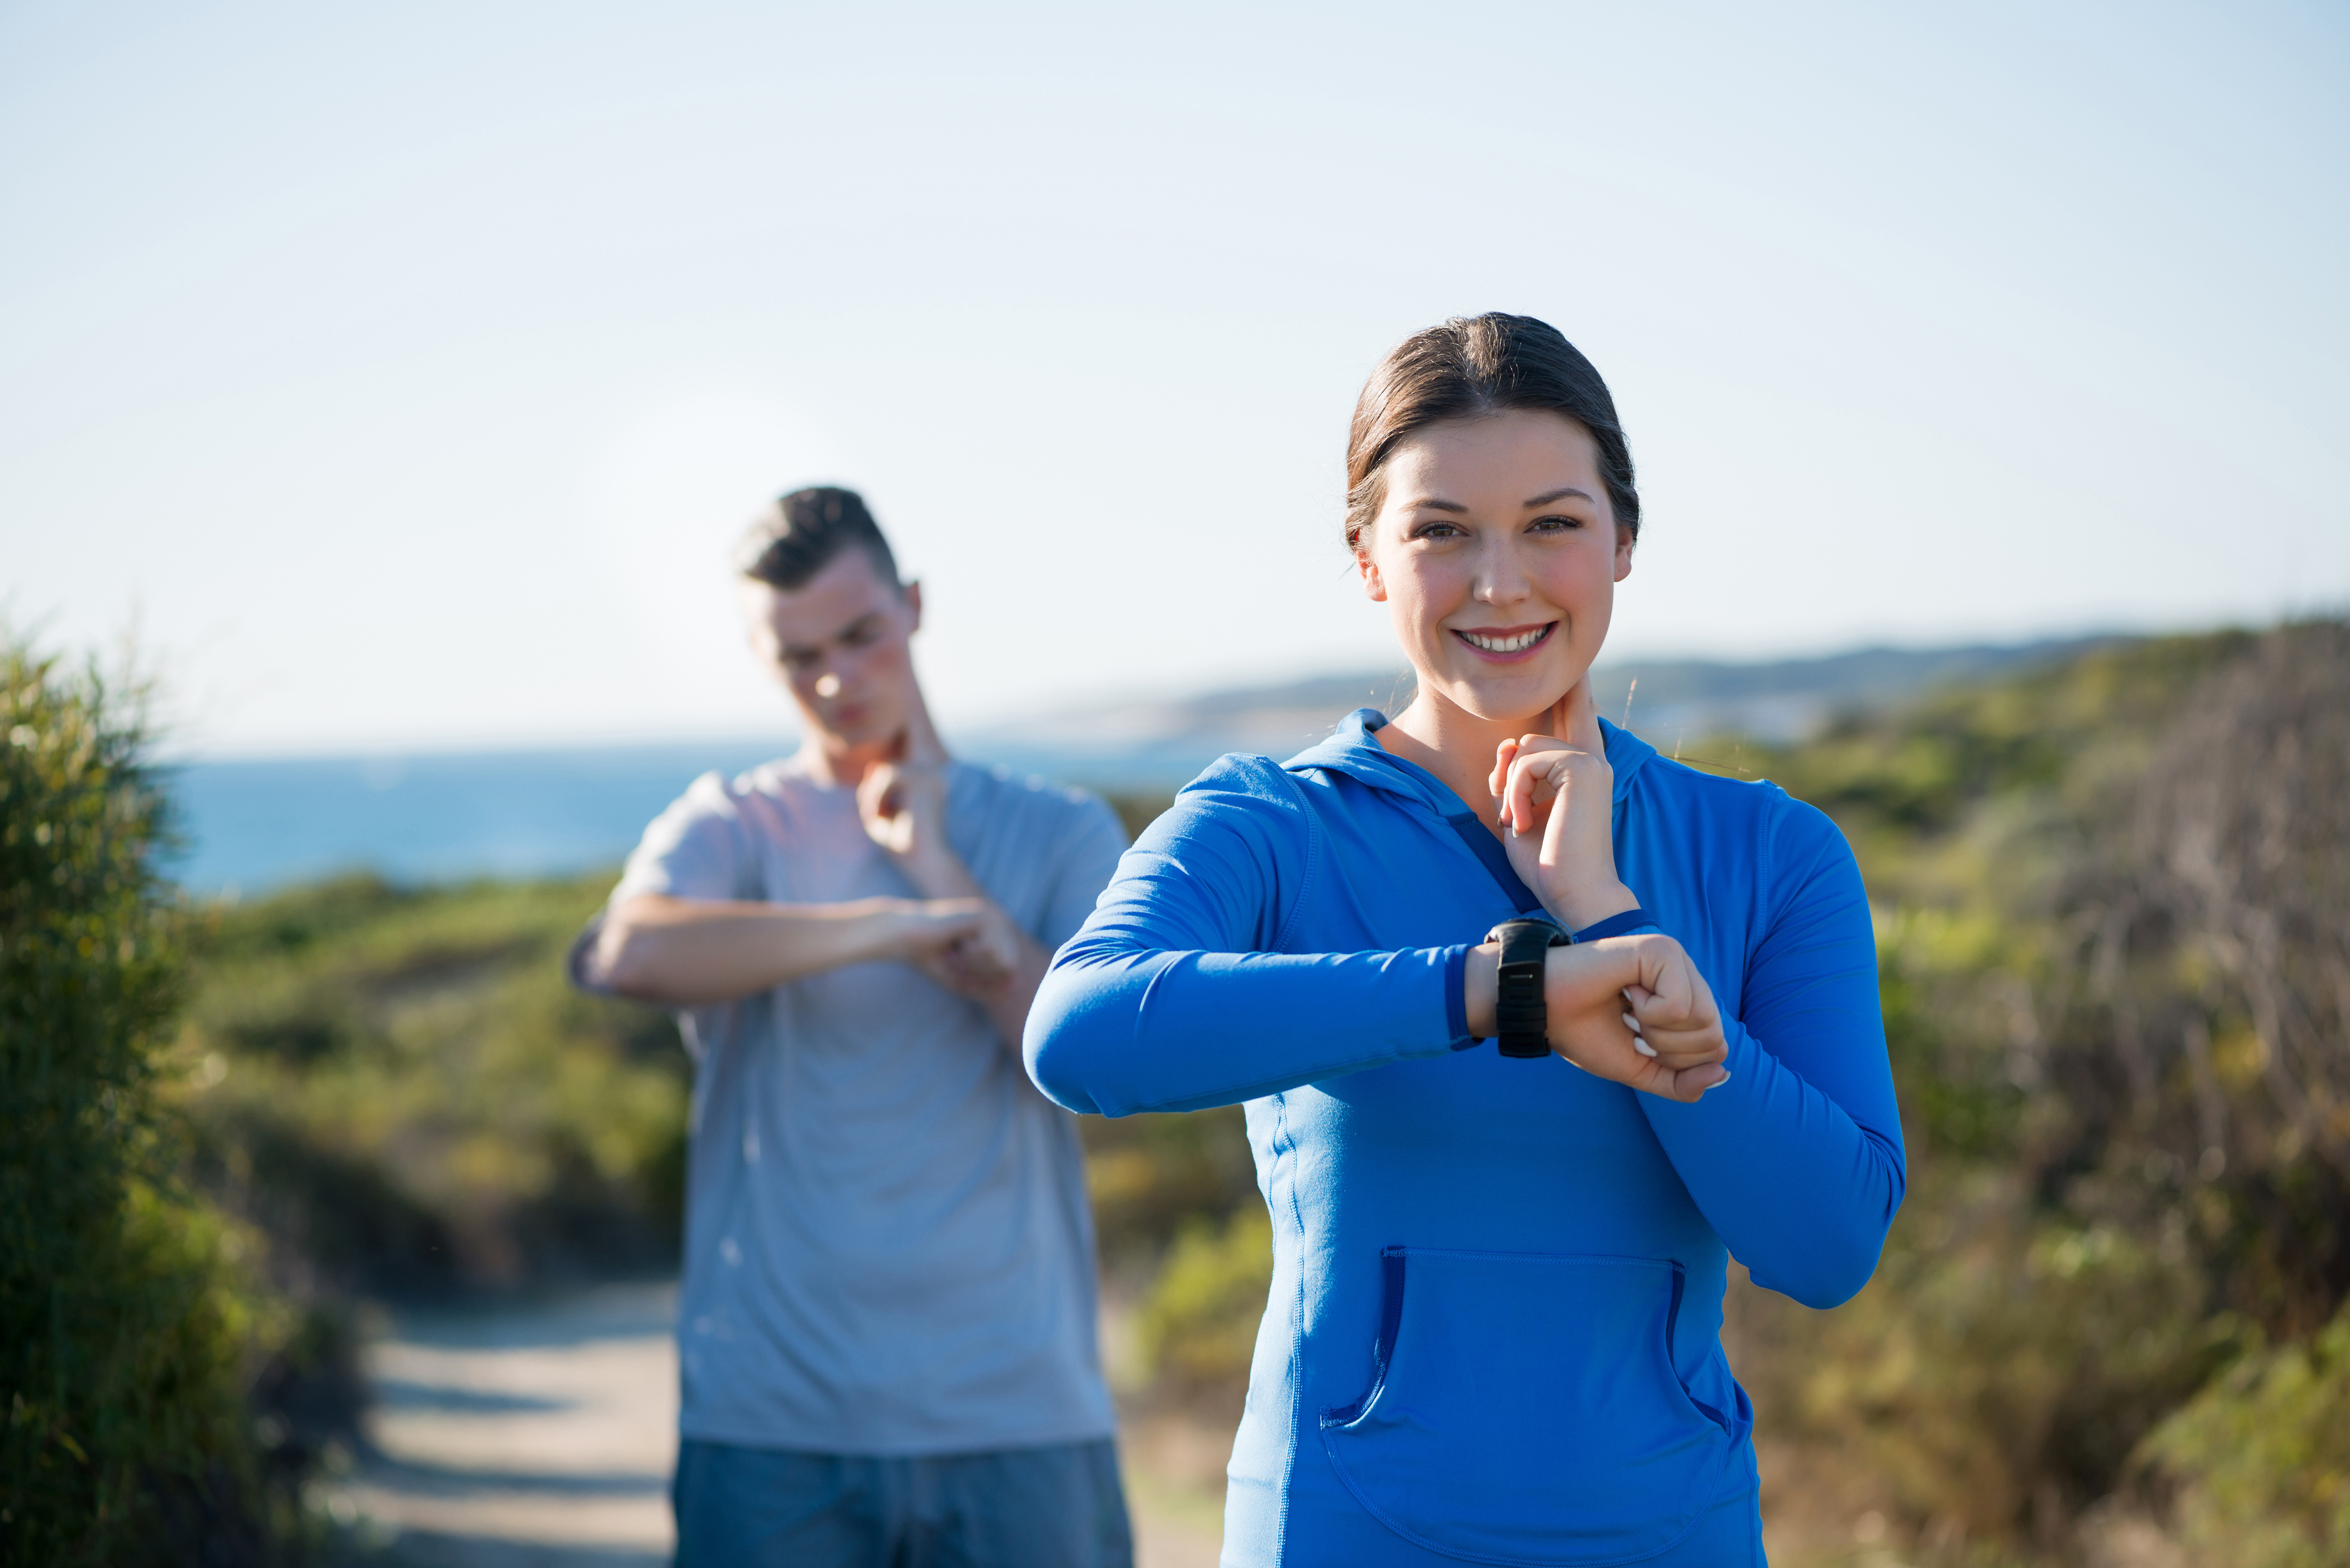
[1553, 800]
[902, 803]
[978, 962]
[925, 931]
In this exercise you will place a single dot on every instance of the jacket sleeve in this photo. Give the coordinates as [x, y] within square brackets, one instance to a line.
[1170, 997]
[1797, 1160]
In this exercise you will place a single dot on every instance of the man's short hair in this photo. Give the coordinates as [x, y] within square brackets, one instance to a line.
[799, 535]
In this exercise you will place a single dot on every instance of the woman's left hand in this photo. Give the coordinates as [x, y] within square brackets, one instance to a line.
[1553, 797]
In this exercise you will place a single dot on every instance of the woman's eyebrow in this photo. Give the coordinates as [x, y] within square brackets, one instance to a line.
[1547, 496]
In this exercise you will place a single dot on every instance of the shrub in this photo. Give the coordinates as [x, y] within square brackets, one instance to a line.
[1198, 1325]
[2262, 1457]
[400, 1086]
[126, 1334]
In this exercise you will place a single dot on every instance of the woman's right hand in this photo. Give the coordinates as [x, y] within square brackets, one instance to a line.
[1554, 803]
[1632, 1010]
[1635, 1011]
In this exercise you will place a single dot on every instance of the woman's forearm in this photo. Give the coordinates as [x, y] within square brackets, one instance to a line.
[1797, 1160]
[1120, 1028]
[695, 952]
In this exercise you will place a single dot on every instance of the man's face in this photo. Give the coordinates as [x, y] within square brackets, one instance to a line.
[840, 645]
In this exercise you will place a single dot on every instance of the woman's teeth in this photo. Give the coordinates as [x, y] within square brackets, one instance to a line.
[1507, 644]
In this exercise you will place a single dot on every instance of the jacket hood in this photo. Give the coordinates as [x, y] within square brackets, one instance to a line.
[1354, 750]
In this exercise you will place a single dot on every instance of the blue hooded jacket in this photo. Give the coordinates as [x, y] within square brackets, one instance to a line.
[1493, 1330]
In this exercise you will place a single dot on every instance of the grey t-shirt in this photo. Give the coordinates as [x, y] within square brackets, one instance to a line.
[887, 1248]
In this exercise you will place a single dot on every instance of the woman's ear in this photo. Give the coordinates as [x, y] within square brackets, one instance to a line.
[1375, 588]
[1624, 543]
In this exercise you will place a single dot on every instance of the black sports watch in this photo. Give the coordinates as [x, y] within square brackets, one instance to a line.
[1519, 1008]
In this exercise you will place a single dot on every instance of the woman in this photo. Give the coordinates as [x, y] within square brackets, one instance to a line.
[1493, 1332]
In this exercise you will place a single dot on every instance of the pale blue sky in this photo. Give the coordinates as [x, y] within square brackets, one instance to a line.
[403, 371]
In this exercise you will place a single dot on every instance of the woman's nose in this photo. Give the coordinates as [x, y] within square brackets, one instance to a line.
[1500, 576]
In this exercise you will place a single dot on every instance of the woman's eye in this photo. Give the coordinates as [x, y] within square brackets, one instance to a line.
[1437, 530]
[1554, 524]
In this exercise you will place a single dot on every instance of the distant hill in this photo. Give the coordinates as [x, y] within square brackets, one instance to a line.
[256, 825]
[1162, 743]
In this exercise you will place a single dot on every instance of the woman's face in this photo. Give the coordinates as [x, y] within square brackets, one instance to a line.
[1497, 555]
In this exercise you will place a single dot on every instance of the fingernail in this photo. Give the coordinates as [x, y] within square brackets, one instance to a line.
[1643, 1047]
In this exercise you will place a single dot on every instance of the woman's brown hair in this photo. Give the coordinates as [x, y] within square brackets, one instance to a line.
[1474, 364]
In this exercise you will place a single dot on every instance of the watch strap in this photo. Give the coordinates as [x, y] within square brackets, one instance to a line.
[1521, 1011]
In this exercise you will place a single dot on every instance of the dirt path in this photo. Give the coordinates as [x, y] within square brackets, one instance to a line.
[541, 1436]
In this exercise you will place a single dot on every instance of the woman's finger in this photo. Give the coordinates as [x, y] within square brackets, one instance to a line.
[1499, 783]
[1580, 727]
[1537, 779]
[1642, 1047]
[1692, 1083]
[1518, 795]
[1678, 1056]
[1562, 814]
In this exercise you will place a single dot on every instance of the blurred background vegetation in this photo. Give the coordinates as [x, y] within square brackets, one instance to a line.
[2113, 897]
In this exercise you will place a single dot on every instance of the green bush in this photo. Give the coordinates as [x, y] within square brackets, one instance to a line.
[1151, 1176]
[401, 1087]
[2261, 1458]
[2111, 896]
[128, 1337]
[1198, 1325]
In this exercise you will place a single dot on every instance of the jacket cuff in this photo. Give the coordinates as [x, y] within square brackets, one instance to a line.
[1456, 999]
[1616, 926]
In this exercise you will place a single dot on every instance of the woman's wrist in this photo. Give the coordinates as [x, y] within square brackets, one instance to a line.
[1480, 988]
[1589, 906]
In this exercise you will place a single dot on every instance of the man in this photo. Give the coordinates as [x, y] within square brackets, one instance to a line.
[886, 1329]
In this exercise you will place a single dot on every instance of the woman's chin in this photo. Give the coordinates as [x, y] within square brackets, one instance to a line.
[1504, 695]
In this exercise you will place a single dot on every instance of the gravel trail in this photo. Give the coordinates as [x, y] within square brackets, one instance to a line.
[540, 1435]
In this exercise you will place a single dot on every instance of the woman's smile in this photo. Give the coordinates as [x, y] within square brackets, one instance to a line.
[1506, 644]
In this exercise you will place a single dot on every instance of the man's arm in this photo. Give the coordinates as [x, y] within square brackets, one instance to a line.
[903, 806]
[685, 952]
[997, 965]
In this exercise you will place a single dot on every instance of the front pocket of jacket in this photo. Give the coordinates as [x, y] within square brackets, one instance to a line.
[1524, 1409]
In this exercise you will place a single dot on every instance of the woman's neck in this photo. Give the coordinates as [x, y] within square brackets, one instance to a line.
[1457, 746]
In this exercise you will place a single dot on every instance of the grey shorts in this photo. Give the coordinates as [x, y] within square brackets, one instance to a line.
[1057, 1507]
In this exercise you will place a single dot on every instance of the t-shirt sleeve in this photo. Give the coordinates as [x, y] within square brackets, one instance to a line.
[694, 849]
[1088, 859]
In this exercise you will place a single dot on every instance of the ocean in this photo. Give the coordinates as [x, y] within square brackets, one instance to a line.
[247, 826]
[452, 816]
